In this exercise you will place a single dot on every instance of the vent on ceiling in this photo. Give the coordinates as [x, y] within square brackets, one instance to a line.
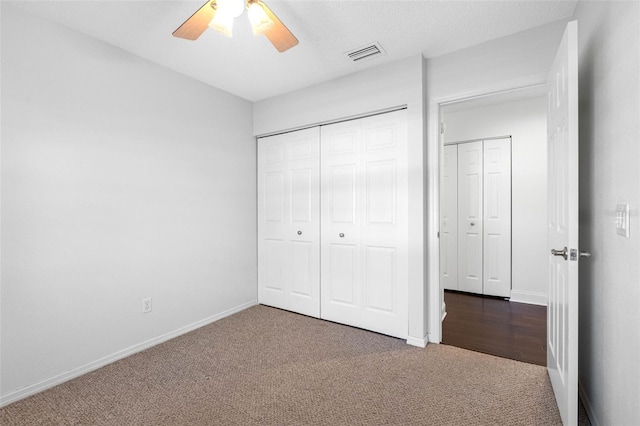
[366, 52]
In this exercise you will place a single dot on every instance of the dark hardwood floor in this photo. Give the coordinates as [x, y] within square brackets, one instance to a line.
[496, 326]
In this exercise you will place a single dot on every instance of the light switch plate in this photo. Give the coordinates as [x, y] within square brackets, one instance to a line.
[622, 220]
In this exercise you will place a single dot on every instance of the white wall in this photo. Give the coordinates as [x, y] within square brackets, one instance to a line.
[386, 86]
[120, 180]
[510, 62]
[609, 67]
[526, 121]
[507, 62]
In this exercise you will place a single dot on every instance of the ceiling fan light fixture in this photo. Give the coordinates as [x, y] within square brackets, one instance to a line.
[222, 23]
[260, 21]
[232, 8]
[219, 15]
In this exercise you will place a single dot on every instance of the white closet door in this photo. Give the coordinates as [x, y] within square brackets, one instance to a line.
[364, 223]
[497, 217]
[449, 219]
[470, 212]
[288, 221]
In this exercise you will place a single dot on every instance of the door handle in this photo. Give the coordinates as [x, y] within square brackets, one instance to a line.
[562, 253]
[585, 254]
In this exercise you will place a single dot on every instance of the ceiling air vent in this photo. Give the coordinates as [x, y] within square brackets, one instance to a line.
[366, 52]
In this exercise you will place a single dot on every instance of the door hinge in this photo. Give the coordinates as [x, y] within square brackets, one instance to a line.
[442, 128]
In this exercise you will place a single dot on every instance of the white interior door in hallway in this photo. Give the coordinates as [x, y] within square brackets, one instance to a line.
[364, 205]
[289, 221]
[476, 217]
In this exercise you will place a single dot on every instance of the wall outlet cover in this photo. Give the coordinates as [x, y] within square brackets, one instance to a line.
[622, 220]
[146, 305]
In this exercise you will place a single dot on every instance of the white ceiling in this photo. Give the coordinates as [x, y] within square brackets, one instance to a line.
[251, 68]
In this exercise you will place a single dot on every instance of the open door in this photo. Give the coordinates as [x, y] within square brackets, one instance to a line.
[562, 310]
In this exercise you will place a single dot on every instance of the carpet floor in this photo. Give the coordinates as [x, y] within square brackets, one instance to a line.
[265, 366]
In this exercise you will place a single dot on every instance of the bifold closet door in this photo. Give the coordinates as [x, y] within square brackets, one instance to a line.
[289, 221]
[364, 212]
[449, 219]
[470, 215]
[497, 217]
[484, 217]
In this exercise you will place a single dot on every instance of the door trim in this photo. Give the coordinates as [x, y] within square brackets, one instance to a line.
[335, 121]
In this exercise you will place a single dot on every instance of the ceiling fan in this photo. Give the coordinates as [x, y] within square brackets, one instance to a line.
[219, 15]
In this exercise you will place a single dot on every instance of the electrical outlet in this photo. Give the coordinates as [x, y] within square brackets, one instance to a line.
[146, 305]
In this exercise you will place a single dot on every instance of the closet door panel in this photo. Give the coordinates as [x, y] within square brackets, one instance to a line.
[342, 283]
[340, 223]
[381, 194]
[341, 193]
[275, 265]
[385, 227]
[381, 278]
[497, 217]
[368, 287]
[449, 219]
[275, 197]
[301, 195]
[470, 214]
[302, 281]
[289, 222]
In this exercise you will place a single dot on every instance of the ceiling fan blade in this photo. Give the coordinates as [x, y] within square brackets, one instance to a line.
[279, 35]
[193, 27]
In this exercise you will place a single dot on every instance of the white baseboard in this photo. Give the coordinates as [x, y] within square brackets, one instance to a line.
[586, 403]
[529, 297]
[94, 365]
[416, 341]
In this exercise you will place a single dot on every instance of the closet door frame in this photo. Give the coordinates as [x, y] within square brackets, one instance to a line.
[484, 274]
[364, 222]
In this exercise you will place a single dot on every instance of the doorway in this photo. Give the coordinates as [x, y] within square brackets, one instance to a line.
[513, 325]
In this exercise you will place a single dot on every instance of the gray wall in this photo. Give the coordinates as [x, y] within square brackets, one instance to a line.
[609, 64]
[120, 180]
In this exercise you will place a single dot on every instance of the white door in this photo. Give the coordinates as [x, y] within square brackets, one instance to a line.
[497, 217]
[449, 219]
[470, 215]
[364, 223]
[562, 309]
[289, 222]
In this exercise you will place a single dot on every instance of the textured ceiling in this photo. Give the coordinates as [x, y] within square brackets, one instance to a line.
[251, 68]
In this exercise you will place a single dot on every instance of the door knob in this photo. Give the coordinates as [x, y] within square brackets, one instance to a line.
[299, 232]
[341, 235]
[562, 253]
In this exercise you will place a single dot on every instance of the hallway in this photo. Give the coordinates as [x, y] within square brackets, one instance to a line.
[496, 326]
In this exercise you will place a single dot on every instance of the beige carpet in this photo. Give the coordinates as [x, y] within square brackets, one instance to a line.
[264, 366]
